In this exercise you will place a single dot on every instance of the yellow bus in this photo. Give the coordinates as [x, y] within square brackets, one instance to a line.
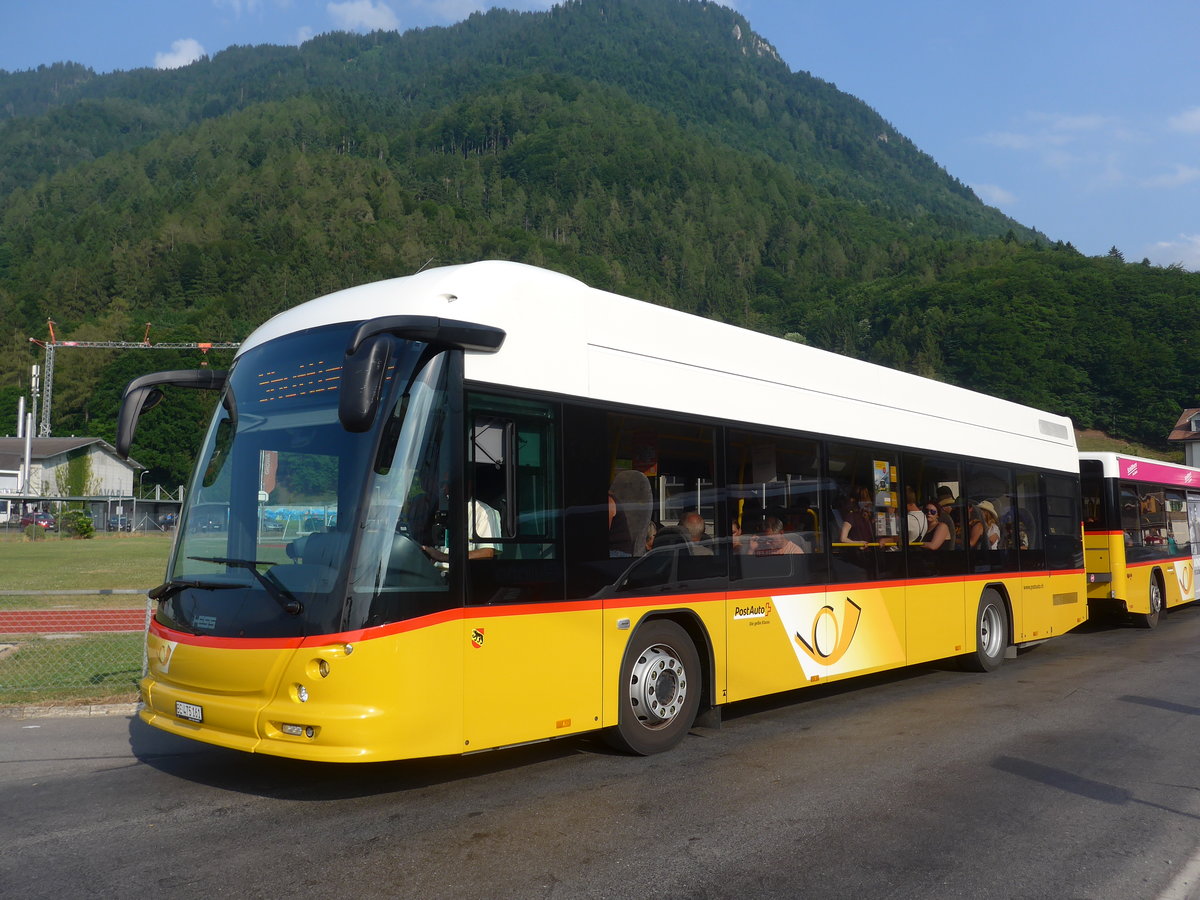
[1141, 518]
[531, 509]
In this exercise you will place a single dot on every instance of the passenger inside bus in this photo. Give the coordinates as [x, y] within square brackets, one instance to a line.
[857, 525]
[772, 541]
[690, 530]
[940, 534]
[916, 522]
[990, 539]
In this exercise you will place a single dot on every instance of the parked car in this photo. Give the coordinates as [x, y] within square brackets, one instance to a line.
[119, 523]
[39, 518]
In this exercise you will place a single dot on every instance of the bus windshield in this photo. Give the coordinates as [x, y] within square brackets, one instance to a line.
[292, 521]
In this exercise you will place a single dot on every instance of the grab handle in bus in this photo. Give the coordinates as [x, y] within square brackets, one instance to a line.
[143, 394]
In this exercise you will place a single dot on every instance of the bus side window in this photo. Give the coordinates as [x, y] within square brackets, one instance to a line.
[642, 513]
[513, 540]
[1152, 509]
[937, 486]
[1130, 515]
[772, 500]
[1026, 524]
[1178, 534]
[1064, 541]
[863, 507]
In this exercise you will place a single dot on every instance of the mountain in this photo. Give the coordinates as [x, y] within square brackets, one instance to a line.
[658, 148]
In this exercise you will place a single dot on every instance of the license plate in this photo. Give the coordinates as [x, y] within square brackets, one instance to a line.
[189, 711]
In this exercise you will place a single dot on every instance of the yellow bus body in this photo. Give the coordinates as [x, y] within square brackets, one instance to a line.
[481, 678]
[1129, 583]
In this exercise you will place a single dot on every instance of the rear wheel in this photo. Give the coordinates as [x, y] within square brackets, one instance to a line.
[1152, 618]
[991, 634]
[659, 689]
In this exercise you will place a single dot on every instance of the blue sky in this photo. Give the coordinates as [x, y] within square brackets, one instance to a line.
[1080, 118]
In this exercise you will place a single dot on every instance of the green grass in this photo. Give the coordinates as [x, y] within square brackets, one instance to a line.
[1098, 442]
[111, 561]
[92, 669]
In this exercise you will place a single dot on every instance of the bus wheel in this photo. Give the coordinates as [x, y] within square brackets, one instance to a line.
[991, 634]
[660, 689]
[1152, 618]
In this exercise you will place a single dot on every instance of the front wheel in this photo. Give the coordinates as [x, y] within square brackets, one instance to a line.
[1152, 618]
[659, 689]
[991, 634]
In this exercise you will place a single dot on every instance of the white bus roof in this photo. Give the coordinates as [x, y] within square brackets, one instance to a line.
[1138, 468]
[569, 339]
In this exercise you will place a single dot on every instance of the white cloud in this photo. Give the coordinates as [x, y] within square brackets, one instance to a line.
[1057, 122]
[183, 52]
[994, 194]
[1184, 251]
[457, 10]
[453, 10]
[1178, 178]
[303, 35]
[238, 6]
[1187, 121]
[1009, 140]
[363, 15]
[1047, 132]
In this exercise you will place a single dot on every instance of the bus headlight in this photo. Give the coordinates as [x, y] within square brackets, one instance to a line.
[300, 692]
[317, 668]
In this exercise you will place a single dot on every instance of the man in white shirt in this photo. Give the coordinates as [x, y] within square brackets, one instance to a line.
[485, 523]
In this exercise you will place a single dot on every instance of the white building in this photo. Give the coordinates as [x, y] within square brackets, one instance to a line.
[107, 475]
[1187, 432]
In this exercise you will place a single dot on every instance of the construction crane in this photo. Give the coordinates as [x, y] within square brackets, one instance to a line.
[47, 376]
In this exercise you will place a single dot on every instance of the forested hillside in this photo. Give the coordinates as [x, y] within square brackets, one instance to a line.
[658, 148]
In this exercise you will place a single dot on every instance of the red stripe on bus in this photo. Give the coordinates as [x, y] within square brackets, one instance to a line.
[1142, 563]
[530, 609]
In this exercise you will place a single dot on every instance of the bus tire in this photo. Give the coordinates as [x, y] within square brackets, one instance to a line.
[991, 634]
[1152, 618]
[659, 692]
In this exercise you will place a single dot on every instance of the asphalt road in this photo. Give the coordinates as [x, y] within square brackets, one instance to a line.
[1069, 773]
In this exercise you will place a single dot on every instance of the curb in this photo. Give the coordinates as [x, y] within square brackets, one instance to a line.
[69, 712]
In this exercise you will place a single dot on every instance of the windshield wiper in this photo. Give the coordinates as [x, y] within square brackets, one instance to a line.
[168, 589]
[286, 599]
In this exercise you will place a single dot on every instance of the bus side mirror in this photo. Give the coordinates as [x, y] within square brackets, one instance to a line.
[362, 383]
[143, 394]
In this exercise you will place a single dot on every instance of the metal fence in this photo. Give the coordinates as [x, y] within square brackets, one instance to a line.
[71, 646]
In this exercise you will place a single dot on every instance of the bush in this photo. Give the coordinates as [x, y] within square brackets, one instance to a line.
[35, 533]
[77, 523]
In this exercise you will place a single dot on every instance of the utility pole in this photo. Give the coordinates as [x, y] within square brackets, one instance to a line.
[51, 346]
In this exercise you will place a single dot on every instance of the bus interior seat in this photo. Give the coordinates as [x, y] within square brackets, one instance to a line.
[323, 548]
[802, 539]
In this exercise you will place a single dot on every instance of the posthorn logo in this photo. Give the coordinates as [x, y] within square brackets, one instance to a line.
[830, 638]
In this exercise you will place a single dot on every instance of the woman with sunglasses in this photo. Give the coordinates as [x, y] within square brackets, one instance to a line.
[939, 536]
